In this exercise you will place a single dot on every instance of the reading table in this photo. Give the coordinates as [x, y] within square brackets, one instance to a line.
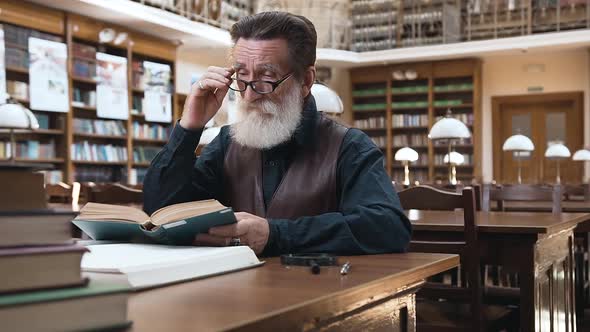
[537, 245]
[377, 293]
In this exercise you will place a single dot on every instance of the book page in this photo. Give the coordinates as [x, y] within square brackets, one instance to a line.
[111, 212]
[149, 265]
[180, 211]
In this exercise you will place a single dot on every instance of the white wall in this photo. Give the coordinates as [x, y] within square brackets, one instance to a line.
[507, 75]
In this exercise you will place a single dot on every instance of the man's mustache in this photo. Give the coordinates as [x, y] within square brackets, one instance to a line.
[257, 105]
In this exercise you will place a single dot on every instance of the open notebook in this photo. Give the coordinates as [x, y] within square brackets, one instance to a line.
[150, 265]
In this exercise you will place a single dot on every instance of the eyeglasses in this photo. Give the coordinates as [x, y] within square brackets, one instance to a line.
[259, 86]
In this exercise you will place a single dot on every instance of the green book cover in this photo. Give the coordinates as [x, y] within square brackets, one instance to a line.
[176, 224]
[94, 288]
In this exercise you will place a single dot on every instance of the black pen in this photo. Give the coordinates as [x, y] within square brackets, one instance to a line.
[345, 268]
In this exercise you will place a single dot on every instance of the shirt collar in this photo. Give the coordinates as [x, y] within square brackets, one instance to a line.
[305, 130]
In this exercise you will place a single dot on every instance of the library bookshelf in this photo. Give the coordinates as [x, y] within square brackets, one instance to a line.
[79, 144]
[396, 105]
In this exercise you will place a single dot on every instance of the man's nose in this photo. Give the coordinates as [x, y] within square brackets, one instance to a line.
[250, 95]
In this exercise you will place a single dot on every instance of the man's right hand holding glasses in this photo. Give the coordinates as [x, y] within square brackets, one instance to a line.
[206, 97]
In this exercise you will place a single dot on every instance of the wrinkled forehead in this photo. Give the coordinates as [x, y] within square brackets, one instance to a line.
[258, 55]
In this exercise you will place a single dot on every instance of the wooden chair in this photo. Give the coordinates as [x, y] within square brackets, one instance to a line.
[454, 314]
[458, 188]
[580, 192]
[522, 193]
[115, 193]
[63, 192]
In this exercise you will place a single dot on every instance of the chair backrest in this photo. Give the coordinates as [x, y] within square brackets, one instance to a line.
[115, 193]
[429, 198]
[458, 188]
[523, 193]
[577, 192]
[63, 192]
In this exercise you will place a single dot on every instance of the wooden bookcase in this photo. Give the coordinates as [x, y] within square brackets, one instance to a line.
[398, 112]
[65, 130]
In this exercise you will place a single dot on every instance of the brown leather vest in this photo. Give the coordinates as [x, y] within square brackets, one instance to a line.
[307, 188]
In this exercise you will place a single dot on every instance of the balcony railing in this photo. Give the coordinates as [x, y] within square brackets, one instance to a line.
[218, 13]
[386, 24]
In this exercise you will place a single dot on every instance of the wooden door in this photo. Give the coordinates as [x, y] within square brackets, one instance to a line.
[544, 119]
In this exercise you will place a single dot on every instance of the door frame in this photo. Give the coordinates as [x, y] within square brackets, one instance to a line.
[577, 97]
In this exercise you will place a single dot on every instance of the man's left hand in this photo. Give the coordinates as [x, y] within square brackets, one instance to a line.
[252, 231]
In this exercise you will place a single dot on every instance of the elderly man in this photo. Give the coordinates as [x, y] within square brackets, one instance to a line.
[297, 181]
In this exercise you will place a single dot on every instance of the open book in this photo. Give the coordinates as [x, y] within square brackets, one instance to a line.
[176, 224]
[149, 265]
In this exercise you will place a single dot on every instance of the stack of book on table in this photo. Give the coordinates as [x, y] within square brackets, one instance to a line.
[41, 284]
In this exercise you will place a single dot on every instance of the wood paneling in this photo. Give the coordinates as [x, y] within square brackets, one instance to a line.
[153, 47]
[87, 28]
[32, 16]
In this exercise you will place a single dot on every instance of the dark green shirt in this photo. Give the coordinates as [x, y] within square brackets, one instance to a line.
[370, 218]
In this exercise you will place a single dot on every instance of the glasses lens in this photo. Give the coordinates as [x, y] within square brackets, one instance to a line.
[262, 87]
[237, 85]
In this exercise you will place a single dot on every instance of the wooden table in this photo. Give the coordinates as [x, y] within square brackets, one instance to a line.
[539, 246]
[378, 293]
[566, 206]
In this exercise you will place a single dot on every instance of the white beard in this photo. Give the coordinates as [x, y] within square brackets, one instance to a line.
[264, 124]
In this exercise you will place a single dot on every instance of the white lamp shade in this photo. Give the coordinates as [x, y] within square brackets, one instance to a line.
[582, 155]
[449, 128]
[209, 134]
[326, 99]
[518, 143]
[406, 154]
[17, 116]
[557, 150]
[456, 158]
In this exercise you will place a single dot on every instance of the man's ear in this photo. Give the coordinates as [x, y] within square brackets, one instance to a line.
[308, 80]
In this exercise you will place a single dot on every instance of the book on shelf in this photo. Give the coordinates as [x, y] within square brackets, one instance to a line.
[97, 174]
[380, 141]
[101, 305]
[137, 104]
[136, 175]
[33, 149]
[151, 131]
[5, 150]
[40, 267]
[84, 68]
[85, 151]
[82, 98]
[53, 176]
[37, 226]
[370, 123]
[439, 159]
[466, 118]
[176, 224]
[43, 120]
[409, 120]
[83, 51]
[148, 265]
[100, 127]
